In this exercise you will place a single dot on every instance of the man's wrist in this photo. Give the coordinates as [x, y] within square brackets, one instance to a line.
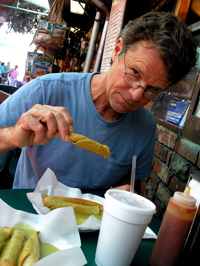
[7, 140]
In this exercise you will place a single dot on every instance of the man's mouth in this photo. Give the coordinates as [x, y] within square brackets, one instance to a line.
[127, 102]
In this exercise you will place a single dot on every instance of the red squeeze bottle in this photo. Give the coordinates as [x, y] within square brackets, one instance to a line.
[174, 229]
[190, 253]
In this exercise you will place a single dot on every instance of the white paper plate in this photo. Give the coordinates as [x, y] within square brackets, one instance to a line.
[49, 185]
[90, 225]
[53, 230]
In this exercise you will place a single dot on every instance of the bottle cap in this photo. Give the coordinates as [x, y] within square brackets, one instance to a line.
[185, 198]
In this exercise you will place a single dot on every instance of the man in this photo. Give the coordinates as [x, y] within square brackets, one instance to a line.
[2, 68]
[1, 72]
[152, 52]
[7, 69]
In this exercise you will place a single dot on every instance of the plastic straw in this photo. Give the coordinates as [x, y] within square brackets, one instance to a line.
[133, 174]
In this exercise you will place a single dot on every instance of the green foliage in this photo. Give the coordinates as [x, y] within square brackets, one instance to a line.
[19, 20]
[22, 22]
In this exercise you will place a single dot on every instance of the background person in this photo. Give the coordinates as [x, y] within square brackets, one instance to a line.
[152, 52]
[7, 69]
[24, 81]
[13, 75]
[2, 68]
[1, 72]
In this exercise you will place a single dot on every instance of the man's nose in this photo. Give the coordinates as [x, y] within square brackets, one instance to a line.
[137, 93]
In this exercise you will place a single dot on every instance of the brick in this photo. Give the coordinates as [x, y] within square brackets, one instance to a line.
[143, 185]
[167, 137]
[187, 149]
[180, 167]
[168, 159]
[150, 190]
[160, 152]
[160, 209]
[147, 189]
[163, 195]
[176, 185]
[155, 182]
[161, 172]
[157, 133]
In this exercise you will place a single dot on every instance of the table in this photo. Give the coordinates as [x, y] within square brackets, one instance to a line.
[17, 199]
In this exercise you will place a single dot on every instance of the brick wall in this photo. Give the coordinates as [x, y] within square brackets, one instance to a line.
[175, 157]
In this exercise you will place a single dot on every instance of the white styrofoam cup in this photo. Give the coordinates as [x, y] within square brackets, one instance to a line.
[122, 227]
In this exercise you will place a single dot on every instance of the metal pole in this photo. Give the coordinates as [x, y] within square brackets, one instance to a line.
[92, 44]
[98, 59]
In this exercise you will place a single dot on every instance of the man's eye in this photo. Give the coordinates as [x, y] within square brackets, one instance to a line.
[150, 88]
[156, 90]
[135, 72]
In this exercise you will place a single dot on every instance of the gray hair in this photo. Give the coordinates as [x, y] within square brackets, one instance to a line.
[169, 35]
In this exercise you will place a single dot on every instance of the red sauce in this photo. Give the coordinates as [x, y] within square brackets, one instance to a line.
[173, 233]
[190, 253]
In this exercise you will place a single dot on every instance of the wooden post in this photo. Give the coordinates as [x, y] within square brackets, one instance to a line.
[182, 8]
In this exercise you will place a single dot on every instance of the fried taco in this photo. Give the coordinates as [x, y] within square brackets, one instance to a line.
[5, 233]
[31, 251]
[13, 249]
[79, 201]
[56, 203]
[90, 145]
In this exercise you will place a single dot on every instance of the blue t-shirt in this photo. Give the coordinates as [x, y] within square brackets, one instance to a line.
[133, 134]
[1, 69]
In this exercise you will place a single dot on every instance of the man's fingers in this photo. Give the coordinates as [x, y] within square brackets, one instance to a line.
[42, 123]
[57, 120]
[64, 123]
[36, 129]
[61, 124]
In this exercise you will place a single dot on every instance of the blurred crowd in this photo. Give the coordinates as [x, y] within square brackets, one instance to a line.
[8, 75]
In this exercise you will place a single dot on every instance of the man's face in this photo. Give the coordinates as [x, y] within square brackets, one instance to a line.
[142, 62]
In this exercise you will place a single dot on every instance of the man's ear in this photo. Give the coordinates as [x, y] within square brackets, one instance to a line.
[117, 49]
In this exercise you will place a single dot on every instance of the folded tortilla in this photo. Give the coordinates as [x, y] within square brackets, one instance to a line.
[5, 233]
[90, 145]
[79, 201]
[28, 246]
[13, 249]
[31, 251]
[55, 203]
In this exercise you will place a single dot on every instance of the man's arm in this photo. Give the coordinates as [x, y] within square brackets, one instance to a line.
[37, 126]
[6, 142]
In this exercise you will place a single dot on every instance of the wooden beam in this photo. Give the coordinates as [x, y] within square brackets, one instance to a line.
[182, 8]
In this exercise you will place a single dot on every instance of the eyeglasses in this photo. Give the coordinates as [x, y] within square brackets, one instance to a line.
[133, 82]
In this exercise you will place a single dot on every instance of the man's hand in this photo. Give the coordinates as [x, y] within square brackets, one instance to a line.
[38, 126]
[124, 187]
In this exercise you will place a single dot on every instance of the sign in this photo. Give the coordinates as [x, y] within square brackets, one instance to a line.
[177, 112]
[114, 29]
[50, 35]
[38, 64]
